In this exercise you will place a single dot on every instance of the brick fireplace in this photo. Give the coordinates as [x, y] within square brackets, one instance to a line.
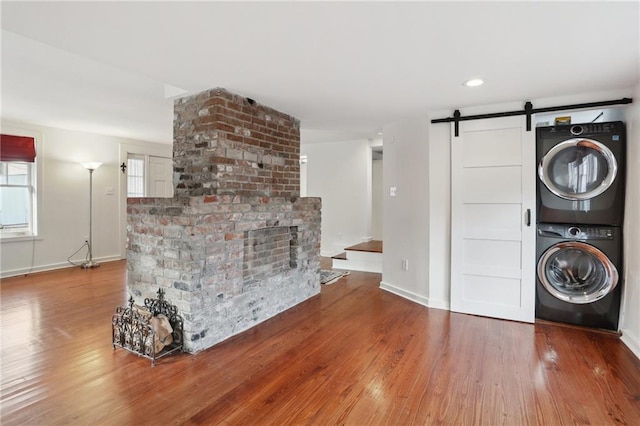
[236, 245]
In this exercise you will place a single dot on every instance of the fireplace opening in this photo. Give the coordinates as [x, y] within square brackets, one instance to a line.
[268, 252]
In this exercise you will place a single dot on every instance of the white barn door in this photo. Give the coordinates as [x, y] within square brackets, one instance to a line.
[493, 219]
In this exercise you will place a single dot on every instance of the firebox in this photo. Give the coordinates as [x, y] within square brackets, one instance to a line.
[268, 252]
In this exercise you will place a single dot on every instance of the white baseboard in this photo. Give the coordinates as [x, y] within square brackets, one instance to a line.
[632, 343]
[409, 295]
[405, 293]
[53, 267]
[439, 304]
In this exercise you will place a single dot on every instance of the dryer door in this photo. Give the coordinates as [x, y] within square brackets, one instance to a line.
[578, 169]
[577, 272]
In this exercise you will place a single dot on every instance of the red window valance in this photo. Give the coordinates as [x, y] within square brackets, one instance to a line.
[17, 148]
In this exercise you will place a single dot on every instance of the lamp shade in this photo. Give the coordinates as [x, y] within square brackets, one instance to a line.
[91, 166]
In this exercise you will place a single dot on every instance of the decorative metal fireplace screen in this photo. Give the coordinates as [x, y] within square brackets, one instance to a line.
[152, 331]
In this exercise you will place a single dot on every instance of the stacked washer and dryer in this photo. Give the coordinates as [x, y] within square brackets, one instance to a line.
[580, 205]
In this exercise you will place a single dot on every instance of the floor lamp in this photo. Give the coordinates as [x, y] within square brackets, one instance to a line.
[91, 167]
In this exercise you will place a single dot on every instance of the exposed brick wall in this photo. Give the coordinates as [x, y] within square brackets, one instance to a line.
[236, 170]
[227, 144]
[193, 247]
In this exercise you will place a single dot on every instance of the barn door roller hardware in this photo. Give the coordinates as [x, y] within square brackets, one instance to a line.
[528, 110]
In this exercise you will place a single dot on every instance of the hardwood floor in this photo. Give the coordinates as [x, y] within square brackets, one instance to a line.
[352, 355]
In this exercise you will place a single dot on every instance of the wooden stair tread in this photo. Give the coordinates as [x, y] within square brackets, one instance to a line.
[374, 246]
[341, 256]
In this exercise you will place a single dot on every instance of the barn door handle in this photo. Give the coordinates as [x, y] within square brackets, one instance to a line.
[527, 216]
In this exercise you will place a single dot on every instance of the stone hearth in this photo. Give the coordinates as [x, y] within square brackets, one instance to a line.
[236, 245]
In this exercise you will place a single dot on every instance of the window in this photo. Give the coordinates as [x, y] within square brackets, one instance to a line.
[17, 186]
[149, 176]
[135, 176]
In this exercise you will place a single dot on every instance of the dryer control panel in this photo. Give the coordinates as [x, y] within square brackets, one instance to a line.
[593, 128]
[584, 129]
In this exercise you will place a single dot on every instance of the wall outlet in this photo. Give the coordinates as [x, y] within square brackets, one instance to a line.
[393, 191]
[405, 265]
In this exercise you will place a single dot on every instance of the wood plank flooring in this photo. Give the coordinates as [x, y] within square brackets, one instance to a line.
[353, 355]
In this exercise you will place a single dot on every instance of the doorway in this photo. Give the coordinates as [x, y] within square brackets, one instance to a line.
[376, 192]
[147, 171]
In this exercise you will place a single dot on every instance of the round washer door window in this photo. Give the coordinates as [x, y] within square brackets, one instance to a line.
[577, 272]
[578, 169]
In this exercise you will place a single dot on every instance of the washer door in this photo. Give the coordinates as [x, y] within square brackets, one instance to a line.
[577, 272]
[578, 169]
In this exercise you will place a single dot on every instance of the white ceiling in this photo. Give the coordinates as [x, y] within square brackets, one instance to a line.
[343, 68]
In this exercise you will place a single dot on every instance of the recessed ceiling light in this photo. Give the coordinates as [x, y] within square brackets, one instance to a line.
[473, 82]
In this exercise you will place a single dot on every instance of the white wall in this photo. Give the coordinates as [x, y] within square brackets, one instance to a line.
[377, 199]
[439, 214]
[339, 173]
[303, 179]
[406, 216]
[630, 323]
[64, 207]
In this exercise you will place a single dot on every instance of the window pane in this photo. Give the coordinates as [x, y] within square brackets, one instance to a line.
[135, 186]
[15, 207]
[15, 173]
[17, 169]
[18, 174]
[135, 177]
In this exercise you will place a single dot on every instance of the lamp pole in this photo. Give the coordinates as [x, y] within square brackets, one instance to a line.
[90, 263]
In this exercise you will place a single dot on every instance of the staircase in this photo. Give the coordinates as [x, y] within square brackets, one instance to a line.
[365, 257]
